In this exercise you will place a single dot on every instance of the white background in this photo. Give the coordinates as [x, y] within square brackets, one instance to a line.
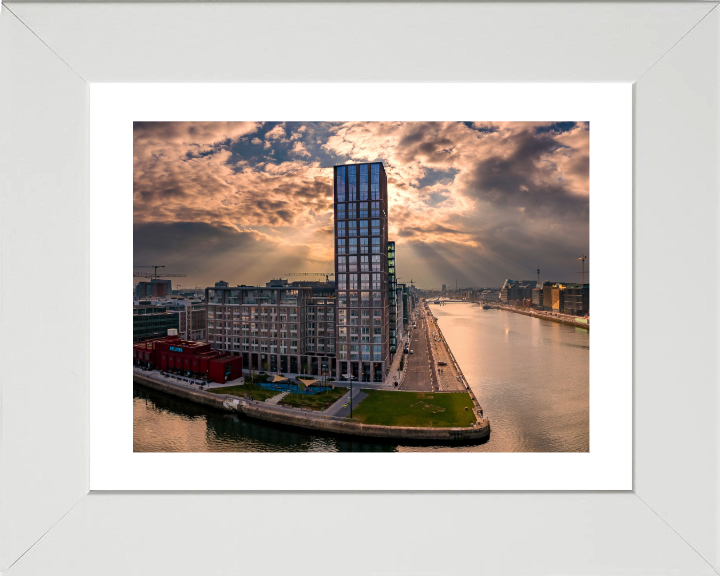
[607, 107]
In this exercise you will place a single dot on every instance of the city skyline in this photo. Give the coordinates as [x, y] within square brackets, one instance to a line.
[248, 201]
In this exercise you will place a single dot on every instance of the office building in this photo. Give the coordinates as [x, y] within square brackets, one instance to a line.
[392, 299]
[554, 297]
[152, 322]
[577, 299]
[537, 297]
[361, 270]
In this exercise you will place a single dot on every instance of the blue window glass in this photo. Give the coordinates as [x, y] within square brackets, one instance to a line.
[351, 184]
[340, 178]
[364, 182]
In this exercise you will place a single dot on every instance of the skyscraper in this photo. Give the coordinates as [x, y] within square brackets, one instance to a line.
[361, 270]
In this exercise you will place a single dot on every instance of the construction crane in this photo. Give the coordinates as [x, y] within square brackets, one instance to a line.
[583, 258]
[154, 274]
[326, 274]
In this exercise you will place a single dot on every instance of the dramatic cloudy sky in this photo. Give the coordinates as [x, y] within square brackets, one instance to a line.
[248, 201]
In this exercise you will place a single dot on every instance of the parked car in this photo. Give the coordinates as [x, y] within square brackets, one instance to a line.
[442, 363]
[411, 352]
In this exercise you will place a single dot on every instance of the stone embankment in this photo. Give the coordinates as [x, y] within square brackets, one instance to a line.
[557, 319]
[316, 422]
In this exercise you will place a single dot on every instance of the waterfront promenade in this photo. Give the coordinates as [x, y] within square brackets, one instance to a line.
[321, 421]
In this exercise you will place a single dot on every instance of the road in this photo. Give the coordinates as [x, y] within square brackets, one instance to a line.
[420, 375]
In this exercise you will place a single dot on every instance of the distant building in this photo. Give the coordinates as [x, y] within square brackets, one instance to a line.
[408, 302]
[577, 299]
[274, 283]
[515, 291]
[537, 297]
[490, 296]
[156, 288]
[554, 297]
[392, 300]
[152, 322]
[221, 284]
[192, 317]
[399, 327]
[444, 287]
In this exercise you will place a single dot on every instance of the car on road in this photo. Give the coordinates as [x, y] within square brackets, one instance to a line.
[411, 352]
[442, 363]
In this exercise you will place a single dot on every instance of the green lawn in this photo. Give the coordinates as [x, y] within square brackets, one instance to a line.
[415, 409]
[318, 401]
[253, 390]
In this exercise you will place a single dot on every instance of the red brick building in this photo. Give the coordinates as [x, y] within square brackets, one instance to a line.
[171, 354]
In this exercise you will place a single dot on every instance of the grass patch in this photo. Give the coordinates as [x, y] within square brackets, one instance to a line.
[416, 409]
[253, 390]
[319, 401]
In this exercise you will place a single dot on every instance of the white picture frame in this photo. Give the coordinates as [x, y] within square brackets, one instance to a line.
[49, 523]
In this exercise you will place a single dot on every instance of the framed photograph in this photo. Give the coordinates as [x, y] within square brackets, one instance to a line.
[288, 187]
[105, 99]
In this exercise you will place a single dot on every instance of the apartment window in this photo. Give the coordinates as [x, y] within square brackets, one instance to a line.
[363, 209]
[365, 352]
[340, 179]
[342, 300]
[363, 245]
[352, 228]
[342, 281]
[364, 182]
[353, 281]
[376, 282]
[353, 264]
[353, 246]
[341, 246]
[376, 227]
[364, 266]
[354, 352]
[365, 280]
[364, 228]
[351, 184]
[375, 210]
[341, 264]
[341, 228]
[377, 353]
[365, 301]
[341, 211]
[351, 211]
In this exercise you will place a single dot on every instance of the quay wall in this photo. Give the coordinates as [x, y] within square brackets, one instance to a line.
[545, 317]
[350, 428]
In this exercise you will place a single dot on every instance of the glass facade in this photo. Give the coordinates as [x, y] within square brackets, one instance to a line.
[361, 270]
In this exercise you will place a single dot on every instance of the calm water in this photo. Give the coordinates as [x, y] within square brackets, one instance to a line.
[530, 375]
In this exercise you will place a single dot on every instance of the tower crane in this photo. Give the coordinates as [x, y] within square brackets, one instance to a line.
[583, 258]
[154, 274]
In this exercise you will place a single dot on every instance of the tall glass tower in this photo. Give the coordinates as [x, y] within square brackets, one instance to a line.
[361, 270]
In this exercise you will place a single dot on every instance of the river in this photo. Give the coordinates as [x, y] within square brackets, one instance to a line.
[530, 375]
